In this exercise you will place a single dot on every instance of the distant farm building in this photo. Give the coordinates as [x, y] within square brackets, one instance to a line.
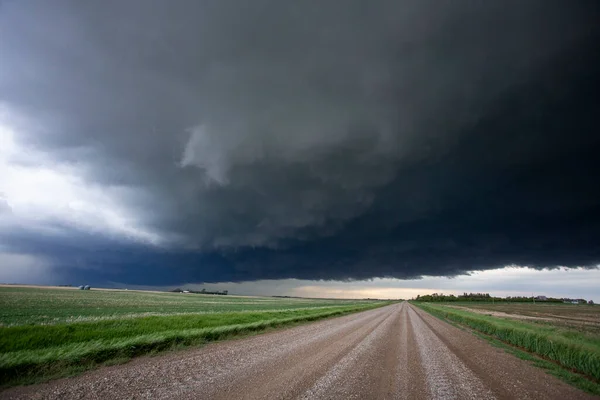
[203, 291]
[574, 301]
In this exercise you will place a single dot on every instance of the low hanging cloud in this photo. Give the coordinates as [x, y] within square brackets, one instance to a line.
[4, 206]
[239, 140]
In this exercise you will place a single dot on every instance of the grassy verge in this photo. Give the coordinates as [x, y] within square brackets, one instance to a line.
[568, 376]
[36, 353]
[569, 349]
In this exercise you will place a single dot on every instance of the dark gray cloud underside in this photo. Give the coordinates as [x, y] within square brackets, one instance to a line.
[274, 141]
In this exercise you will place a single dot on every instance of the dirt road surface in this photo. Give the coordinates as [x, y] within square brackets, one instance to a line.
[394, 352]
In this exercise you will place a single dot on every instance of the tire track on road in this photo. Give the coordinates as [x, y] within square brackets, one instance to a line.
[411, 374]
[447, 377]
[291, 375]
[360, 373]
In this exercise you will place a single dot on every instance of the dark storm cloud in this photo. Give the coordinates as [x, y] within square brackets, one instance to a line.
[333, 140]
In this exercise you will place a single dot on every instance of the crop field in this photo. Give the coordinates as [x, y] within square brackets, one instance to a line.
[565, 334]
[40, 306]
[583, 318]
[46, 333]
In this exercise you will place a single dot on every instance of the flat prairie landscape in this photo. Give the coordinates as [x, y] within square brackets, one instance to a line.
[394, 352]
[372, 349]
[46, 333]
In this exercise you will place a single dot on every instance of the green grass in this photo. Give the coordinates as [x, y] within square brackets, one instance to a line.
[573, 350]
[23, 306]
[48, 333]
[551, 367]
[554, 369]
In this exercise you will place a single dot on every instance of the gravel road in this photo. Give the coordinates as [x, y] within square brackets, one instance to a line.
[394, 352]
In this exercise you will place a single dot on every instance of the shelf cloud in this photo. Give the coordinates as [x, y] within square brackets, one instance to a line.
[158, 142]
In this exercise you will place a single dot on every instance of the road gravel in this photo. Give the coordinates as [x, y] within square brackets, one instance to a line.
[393, 352]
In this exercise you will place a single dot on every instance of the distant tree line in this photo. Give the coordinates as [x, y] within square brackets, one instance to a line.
[485, 297]
[440, 297]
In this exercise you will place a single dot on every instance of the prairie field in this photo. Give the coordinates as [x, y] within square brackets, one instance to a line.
[41, 306]
[580, 317]
[46, 333]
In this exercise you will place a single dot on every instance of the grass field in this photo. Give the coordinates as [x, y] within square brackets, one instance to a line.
[47, 333]
[565, 334]
[27, 306]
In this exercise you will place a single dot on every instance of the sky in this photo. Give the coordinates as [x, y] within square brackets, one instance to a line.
[315, 148]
